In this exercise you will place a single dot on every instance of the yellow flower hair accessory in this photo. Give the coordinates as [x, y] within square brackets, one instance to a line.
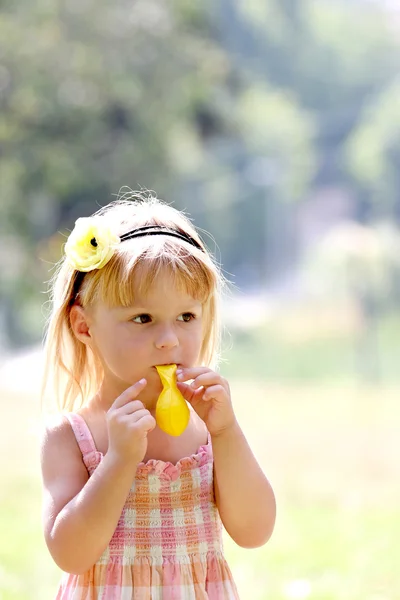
[91, 244]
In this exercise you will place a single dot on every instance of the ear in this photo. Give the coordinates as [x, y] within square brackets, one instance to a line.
[80, 324]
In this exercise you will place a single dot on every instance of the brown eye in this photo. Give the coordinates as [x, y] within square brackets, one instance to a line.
[142, 319]
[187, 317]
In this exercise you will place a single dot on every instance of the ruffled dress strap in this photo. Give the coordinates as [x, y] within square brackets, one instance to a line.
[90, 455]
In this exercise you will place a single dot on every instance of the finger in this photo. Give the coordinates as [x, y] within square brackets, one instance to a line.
[146, 423]
[191, 373]
[213, 392]
[130, 407]
[129, 394]
[135, 416]
[185, 390]
[206, 379]
[192, 396]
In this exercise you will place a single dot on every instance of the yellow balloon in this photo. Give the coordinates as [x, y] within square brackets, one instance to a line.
[172, 411]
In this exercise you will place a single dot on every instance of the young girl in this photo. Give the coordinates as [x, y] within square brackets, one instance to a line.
[131, 512]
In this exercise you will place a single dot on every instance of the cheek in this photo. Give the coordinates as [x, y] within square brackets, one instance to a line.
[195, 340]
[107, 348]
[112, 343]
[123, 356]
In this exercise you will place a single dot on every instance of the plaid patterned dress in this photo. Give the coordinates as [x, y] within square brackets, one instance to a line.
[167, 544]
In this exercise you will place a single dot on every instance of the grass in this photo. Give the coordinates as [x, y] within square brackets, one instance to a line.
[331, 455]
[331, 452]
[316, 344]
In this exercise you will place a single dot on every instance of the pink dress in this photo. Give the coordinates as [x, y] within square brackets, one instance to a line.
[167, 544]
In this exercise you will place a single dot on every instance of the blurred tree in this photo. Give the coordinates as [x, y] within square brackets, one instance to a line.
[91, 95]
[372, 155]
[233, 108]
[332, 55]
[360, 264]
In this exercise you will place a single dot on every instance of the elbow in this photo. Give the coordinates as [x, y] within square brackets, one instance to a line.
[254, 538]
[70, 564]
[256, 533]
[71, 570]
[251, 540]
[69, 560]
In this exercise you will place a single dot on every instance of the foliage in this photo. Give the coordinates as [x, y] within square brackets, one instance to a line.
[373, 152]
[237, 111]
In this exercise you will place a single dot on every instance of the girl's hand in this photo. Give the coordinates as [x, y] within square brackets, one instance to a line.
[128, 423]
[210, 396]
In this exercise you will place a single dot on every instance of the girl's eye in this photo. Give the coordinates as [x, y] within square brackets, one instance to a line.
[186, 317]
[141, 319]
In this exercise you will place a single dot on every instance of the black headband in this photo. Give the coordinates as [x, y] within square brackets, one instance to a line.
[139, 232]
[159, 230]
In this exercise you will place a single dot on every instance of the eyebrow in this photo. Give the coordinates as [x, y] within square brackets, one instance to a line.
[195, 305]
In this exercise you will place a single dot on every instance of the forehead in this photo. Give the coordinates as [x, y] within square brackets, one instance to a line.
[143, 286]
[166, 288]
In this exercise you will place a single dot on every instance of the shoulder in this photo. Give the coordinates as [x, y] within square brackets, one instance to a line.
[58, 441]
[56, 427]
[63, 471]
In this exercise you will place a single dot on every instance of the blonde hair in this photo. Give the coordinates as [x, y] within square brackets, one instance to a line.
[72, 371]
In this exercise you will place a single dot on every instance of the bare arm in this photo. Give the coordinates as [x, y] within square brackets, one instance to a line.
[243, 494]
[80, 514]
[244, 497]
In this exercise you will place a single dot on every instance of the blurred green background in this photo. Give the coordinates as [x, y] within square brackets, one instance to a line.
[276, 126]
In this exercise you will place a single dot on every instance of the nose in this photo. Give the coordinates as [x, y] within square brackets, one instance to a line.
[166, 337]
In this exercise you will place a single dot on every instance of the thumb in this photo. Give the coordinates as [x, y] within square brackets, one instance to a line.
[191, 395]
[186, 391]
